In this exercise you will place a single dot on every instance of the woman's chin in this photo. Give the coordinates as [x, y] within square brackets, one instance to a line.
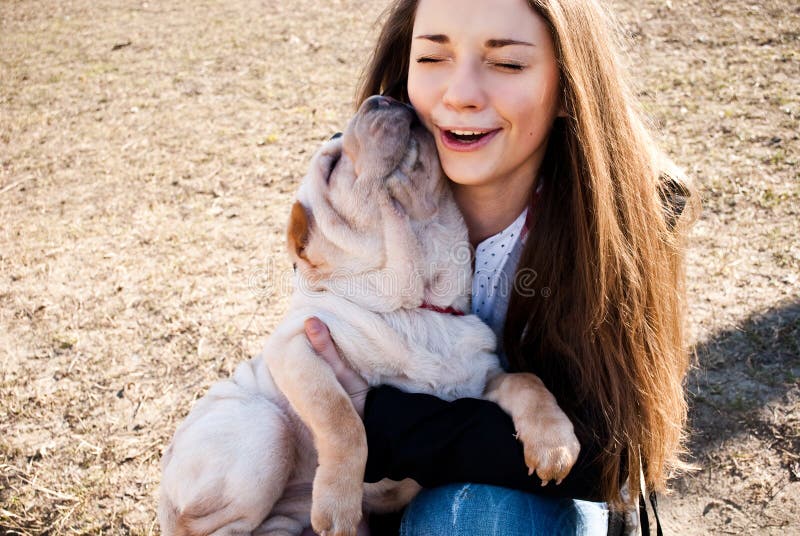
[471, 169]
[466, 177]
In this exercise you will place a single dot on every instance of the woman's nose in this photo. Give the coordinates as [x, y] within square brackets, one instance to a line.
[464, 88]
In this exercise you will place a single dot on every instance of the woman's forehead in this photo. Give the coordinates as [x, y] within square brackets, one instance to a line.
[491, 22]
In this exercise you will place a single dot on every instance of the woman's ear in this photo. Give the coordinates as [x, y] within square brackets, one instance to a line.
[298, 231]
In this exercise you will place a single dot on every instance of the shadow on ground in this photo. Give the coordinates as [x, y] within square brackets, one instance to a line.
[747, 382]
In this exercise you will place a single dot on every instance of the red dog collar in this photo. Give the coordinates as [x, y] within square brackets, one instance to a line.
[445, 310]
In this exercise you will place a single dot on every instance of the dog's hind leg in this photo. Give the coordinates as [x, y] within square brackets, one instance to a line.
[227, 465]
[280, 526]
[291, 515]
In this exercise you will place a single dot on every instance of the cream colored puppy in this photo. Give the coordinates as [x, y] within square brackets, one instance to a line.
[375, 236]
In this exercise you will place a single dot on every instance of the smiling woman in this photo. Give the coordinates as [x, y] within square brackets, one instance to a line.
[557, 176]
[604, 328]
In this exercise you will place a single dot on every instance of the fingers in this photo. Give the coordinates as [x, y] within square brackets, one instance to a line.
[320, 339]
[354, 385]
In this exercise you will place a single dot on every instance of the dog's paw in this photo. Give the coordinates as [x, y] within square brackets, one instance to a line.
[549, 443]
[336, 505]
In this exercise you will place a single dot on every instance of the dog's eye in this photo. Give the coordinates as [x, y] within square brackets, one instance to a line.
[333, 166]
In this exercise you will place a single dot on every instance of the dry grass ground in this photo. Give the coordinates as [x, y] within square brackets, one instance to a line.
[148, 155]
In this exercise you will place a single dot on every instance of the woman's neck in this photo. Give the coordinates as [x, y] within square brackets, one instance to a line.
[488, 210]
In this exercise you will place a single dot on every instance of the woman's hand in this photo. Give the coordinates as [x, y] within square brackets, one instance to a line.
[320, 339]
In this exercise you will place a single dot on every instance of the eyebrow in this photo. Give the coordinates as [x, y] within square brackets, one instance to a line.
[490, 43]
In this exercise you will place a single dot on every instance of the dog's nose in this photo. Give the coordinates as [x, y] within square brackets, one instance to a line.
[376, 101]
[384, 101]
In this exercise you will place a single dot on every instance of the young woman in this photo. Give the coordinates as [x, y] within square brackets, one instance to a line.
[564, 191]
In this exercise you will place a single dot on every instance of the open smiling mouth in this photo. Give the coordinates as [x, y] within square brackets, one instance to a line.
[467, 139]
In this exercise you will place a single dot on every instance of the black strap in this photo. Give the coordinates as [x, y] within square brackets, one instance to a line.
[654, 504]
[644, 519]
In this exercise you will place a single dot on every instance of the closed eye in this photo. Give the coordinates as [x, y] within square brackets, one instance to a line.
[502, 65]
[334, 161]
[509, 66]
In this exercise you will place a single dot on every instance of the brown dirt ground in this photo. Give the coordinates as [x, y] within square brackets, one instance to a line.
[148, 156]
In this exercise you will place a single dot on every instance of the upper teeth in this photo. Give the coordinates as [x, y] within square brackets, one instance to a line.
[466, 132]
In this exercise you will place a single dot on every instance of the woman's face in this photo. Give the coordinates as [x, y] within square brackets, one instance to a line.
[484, 80]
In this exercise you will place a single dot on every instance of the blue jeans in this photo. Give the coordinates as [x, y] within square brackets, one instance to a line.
[482, 510]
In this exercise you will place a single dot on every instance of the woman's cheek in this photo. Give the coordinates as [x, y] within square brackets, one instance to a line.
[415, 91]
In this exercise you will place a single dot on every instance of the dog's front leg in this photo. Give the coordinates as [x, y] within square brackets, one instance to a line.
[316, 396]
[546, 432]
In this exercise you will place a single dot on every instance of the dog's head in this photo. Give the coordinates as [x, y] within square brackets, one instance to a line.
[374, 218]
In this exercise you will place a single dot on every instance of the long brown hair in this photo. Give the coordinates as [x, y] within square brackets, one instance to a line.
[603, 326]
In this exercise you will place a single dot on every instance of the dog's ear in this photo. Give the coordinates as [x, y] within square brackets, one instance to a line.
[298, 231]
